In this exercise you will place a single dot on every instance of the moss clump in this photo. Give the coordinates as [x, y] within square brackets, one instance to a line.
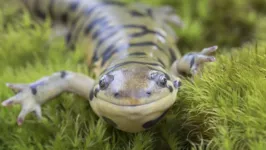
[225, 108]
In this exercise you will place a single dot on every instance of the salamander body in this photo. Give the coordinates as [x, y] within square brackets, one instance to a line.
[133, 49]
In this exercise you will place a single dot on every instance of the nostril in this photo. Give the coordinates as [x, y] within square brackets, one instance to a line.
[116, 94]
[177, 84]
[148, 93]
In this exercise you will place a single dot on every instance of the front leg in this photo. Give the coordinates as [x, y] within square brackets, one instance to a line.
[32, 96]
[192, 63]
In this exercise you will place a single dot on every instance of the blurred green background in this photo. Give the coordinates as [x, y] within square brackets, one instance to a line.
[227, 23]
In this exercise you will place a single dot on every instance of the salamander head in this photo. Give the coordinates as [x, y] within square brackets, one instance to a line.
[135, 85]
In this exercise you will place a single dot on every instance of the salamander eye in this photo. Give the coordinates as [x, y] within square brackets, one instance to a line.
[162, 81]
[105, 81]
[153, 75]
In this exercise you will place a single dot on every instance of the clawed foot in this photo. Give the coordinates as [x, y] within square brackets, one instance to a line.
[192, 63]
[201, 58]
[26, 98]
[32, 96]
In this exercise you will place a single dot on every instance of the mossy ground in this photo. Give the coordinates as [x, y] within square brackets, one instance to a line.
[225, 109]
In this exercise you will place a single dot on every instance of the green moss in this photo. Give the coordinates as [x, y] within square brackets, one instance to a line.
[227, 104]
[259, 5]
[225, 109]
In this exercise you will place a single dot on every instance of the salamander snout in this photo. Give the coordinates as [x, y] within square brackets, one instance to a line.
[135, 86]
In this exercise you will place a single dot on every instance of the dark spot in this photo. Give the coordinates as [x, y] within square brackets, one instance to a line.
[16, 91]
[104, 33]
[110, 77]
[146, 43]
[95, 58]
[134, 26]
[177, 84]
[135, 13]
[116, 95]
[172, 55]
[153, 122]
[91, 95]
[96, 34]
[117, 3]
[192, 61]
[10, 102]
[182, 73]
[149, 11]
[33, 90]
[105, 81]
[69, 43]
[64, 18]
[165, 74]
[130, 62]
[153, 75]
[161, 81]
[170, 88]
[40, 14]
[68, 38]
[104, 27]
[72, 47]
[111, 50]
[144, 31]
[50, 9]
[109, 121]
[37, 10]
[161, 61]
[108, 50]
[63, 74]
[102, 22]
[35, 113]
[74, 5]
[103, 84]
[20, 121]
[96, 92]
[92, 9]
[140, 34]
[137, 54]
[148, 93]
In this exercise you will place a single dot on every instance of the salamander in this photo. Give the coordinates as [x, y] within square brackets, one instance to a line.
[132, 47]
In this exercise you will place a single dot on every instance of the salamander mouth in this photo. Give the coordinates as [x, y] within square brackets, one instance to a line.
[136, 102]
